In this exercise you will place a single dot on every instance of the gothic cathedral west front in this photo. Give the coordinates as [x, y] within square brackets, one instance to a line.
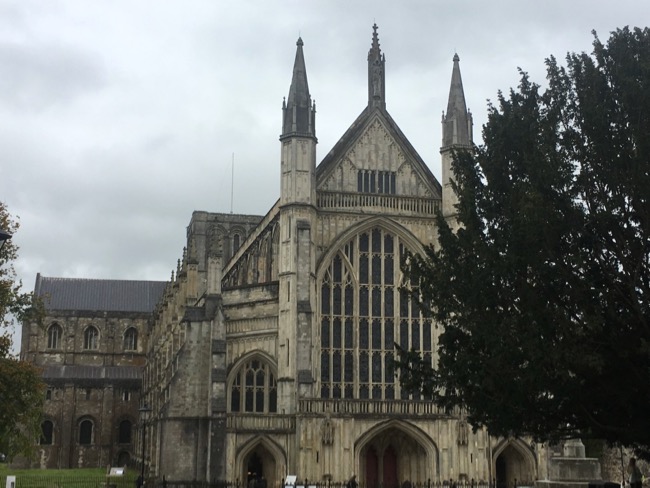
[270, 352]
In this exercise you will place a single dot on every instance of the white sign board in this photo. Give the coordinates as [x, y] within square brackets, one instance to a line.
[11, 482]
[290, 480]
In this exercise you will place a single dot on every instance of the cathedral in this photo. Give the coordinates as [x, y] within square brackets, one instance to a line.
[270, 351]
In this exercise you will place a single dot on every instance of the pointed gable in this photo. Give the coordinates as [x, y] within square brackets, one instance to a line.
[374, 156]
[374, 145]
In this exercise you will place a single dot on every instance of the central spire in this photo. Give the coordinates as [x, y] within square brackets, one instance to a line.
[376, 78]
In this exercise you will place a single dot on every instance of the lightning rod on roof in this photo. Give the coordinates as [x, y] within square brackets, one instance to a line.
[232, 180]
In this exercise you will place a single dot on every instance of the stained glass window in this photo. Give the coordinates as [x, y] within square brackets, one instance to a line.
[363, 312]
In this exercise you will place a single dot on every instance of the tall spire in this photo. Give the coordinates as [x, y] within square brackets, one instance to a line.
[457, 122]
[376, 78]
[299, 113]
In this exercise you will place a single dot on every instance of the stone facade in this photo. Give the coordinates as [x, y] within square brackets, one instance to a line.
[272, 357]
[269, 352]
[91, 347]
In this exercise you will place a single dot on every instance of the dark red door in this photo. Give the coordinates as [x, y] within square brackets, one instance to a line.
[390, 468]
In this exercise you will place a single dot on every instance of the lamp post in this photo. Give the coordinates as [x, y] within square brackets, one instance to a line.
[144, 410]
[4, 237]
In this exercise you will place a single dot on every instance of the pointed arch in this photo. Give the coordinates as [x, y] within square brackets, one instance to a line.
[513, 459]
[362, 312]
[388, 224]
[252, 384]
[276, 458]
[407, 428]
[396, 450]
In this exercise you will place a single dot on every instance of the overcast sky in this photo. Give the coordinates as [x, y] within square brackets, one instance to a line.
[118, 118]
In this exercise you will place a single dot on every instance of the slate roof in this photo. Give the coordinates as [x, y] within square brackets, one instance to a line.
[99, 295]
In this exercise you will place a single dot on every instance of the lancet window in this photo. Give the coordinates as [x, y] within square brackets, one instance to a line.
[54, 333]
[91, 338]
[363, 314]
[374, 181]
[131, 339]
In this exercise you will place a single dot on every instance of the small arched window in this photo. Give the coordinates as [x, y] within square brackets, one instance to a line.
[236, 242]
[131, 339]
[54, 333]
[47, 433]
[254, 389]
[91, 338]
[86, 432]
[124, 434]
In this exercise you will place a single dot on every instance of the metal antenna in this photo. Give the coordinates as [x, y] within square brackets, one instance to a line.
[232, 181]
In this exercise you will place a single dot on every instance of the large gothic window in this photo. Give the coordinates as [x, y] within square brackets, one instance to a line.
[54, 333]
[254, 389]
[362, 315]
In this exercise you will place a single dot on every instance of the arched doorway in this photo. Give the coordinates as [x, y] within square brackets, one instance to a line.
[254, 468]
[259, 462]
[514, 465]
[391, 457]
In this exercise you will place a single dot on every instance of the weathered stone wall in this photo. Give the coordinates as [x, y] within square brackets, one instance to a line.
[72, 399]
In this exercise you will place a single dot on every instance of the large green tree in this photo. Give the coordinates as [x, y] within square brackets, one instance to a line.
[542, 287]
[21, 388]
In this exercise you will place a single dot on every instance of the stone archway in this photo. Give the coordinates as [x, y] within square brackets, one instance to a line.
[514, 464]
[394, 453]
[260, 458]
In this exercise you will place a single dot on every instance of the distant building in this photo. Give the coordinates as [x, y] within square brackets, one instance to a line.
[92, 347]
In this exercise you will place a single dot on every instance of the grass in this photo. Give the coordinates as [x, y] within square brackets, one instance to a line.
[88, 477]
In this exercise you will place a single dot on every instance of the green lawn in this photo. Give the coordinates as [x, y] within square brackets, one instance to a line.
[72, 478]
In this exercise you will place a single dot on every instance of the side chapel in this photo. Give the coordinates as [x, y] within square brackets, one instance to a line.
[271, 349]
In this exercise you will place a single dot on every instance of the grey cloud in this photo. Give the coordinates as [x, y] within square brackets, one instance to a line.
[36, 76]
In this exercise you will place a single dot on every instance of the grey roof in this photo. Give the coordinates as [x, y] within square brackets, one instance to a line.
[99, 295]
[77, 372]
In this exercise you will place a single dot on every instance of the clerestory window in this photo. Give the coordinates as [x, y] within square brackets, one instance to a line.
[91, 338]
[54, 334]
[131, 339]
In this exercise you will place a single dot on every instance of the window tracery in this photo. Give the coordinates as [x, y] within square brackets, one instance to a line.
[363, 314]
[254, 388]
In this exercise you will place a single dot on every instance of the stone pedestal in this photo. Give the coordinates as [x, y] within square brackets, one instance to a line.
[572, 469]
